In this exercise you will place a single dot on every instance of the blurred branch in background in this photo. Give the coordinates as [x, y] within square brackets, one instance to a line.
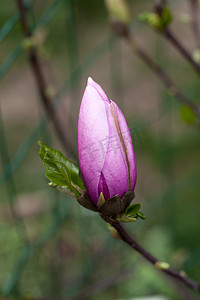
[121, 28]
[158, 71]
[35, 63]
[159, 7]
[194, 6]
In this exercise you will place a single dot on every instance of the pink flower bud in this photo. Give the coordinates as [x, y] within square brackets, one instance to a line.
[106, 155]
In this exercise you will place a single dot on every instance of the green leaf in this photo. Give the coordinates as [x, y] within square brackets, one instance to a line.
[166, 17]
[156, 21]
[119, 10]
[59, 170]
[62, 189]
[132, 209]
[141, 215]
[196, 55]
[187, 114]
[150, 19]
[125, 218]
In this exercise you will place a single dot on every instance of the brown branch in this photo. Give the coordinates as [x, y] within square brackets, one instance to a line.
[170, 36]
[134, 245]
[194, 7]
[123, 30]
[41, 81]
[173, 39]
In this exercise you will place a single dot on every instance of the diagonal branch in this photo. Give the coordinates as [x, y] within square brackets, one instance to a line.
[123, 31]
[163, 267]
[173, 39]
[194, 7]
[41, 81]
[170, 36]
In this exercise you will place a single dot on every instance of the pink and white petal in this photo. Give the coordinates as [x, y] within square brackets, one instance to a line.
[128, 143]
[92, 131]
[98, 88]
[115, 169]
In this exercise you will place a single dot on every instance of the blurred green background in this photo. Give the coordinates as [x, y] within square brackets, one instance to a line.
[50, 247]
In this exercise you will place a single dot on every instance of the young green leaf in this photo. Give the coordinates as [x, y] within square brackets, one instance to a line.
[187, 114]
[125, 218]
[59, 170]
[141, 215]
[132, 209]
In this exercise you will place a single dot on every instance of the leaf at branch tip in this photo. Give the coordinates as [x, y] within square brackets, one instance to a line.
[196, 55]
[156, 21]
[60, 171]
[150, 19]
[166, 17]
[187, 114]
[119, 10]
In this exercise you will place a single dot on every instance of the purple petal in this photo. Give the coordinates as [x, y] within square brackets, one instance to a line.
[98, 88]
[115, 169]
[128, 144]
[103, 187]
[92, 131]
[106, 155]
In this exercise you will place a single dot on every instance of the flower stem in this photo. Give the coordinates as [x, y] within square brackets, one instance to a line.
[163, 267]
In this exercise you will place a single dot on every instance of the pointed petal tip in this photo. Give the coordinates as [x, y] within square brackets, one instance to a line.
[90, 80]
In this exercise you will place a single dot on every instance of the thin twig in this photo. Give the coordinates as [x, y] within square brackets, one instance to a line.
[194, 7]
[123, 31]
[41, 81]
[173, 39]
[167, 270]
[170, 36]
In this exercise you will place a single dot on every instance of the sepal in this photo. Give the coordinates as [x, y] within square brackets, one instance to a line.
[101, 200]
[86, 202]
[116, 205]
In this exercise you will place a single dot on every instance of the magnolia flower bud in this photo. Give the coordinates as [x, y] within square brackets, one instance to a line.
[106, 155]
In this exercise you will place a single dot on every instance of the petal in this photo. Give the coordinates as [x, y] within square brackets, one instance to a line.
[128, 144]
[103, 187]
[115, 169]
[92, 130]
[98, 88]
